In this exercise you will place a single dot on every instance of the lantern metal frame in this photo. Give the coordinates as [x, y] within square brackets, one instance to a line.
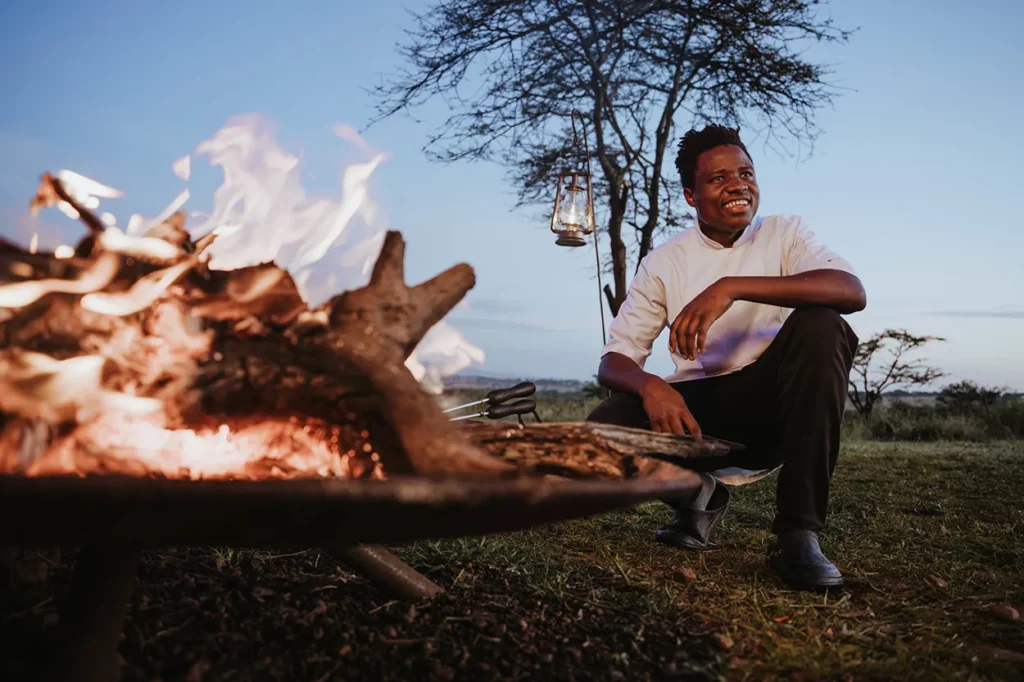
[575, 237]
[571, 181]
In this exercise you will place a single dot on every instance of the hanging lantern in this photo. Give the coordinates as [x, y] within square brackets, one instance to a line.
[573, 216]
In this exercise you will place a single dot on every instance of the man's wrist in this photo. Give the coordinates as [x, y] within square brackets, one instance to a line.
[647, 383]
[731, 287]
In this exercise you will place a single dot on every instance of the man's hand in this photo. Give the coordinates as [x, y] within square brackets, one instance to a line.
[691, 325]
[666, 408]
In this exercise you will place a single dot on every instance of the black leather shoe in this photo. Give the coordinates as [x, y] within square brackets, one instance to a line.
[693, 527]
[799, 562]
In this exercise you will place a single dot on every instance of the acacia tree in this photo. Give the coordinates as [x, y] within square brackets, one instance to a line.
[875, 371]
[512, 71]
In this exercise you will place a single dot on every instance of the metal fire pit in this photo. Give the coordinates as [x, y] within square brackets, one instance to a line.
[113, 517]
[141, 513]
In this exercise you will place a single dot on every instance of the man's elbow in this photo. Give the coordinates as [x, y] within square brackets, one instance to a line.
[857, 298]
[602, 371]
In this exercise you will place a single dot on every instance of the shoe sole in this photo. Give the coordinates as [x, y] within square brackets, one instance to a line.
[812, 587]
[681, 540]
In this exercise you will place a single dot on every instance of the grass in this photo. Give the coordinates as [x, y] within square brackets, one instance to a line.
[930, 537]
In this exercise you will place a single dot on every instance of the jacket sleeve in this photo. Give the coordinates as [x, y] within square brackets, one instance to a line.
[641, 318]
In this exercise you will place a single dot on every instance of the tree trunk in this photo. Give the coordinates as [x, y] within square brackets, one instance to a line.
[617, 200]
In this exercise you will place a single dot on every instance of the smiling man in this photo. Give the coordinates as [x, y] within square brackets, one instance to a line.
[762, 355]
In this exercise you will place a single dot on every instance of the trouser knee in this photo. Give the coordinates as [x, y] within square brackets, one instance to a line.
[821, 333]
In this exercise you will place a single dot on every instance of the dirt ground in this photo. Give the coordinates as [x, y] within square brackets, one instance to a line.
[202, 615]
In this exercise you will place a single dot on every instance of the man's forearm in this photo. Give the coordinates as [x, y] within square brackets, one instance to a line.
[620, 373]
[835, 289]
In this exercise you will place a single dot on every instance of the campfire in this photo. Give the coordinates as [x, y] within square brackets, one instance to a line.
[134, 356]
[150, 352]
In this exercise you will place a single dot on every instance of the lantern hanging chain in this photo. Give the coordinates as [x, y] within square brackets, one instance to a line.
[590, 180]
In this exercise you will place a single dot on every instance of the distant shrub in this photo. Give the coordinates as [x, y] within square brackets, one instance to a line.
[1002, 419]
[1005, 419]
[967, 397]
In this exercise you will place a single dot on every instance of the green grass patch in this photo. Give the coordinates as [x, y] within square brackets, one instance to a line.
[929, 537]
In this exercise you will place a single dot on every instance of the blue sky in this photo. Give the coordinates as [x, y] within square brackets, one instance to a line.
[914, 180]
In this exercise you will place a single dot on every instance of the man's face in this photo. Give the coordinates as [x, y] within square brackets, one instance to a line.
[725, 191]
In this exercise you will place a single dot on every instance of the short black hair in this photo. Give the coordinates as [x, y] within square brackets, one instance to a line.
[696, 142]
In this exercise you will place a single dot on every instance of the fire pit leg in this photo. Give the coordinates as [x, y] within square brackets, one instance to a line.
[387, 571]
[93, 617]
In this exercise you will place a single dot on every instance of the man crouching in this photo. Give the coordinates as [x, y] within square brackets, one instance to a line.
[762, 356]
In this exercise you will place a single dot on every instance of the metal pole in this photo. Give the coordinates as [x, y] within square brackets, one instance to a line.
[597, 252]
[600, 293]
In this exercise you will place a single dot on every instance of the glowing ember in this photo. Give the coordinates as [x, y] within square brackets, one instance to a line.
[266, 448]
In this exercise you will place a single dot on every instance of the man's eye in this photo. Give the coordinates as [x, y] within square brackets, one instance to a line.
[748, 174]
[717, 178]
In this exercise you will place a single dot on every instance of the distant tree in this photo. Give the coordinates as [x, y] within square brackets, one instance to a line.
[964, 397]
[594, 389]
[512, 71]
[881, 364]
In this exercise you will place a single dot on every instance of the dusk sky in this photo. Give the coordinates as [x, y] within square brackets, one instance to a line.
[914, 179]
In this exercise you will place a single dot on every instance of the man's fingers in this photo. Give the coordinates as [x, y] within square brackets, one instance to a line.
[672, 333]
[688, 333]
[675, 338]
[691, 424]
[676, 422]
[702, 334]
[691, 333]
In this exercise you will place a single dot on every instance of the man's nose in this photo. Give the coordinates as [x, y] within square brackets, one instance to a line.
[736, 186]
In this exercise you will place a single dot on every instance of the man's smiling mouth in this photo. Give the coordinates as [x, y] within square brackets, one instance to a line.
[736, 203]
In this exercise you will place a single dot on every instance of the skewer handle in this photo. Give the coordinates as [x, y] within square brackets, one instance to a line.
[520, 390]
[518, 407]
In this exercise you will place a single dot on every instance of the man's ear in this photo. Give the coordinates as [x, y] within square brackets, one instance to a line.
[688, 195]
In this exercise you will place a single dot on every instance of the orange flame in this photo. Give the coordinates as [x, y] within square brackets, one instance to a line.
[99, 274]
[142, 294]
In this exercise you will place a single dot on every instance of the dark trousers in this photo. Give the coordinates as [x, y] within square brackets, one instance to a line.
[786, 408]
